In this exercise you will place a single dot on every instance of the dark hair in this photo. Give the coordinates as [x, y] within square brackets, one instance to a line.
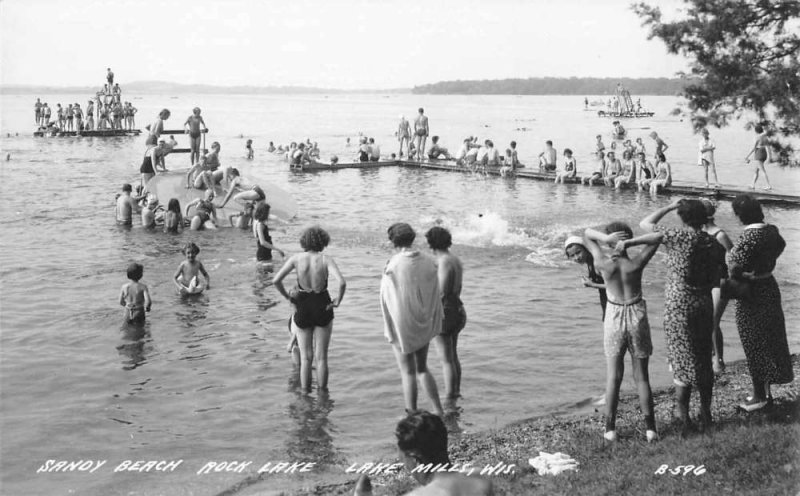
[513, 144]
[423, 436]
[601, 154]
[421, 110]
[692, 213]
[234, 171]
[711, 209]
[567, 151]
[747, 209]
[548, 142]
[127, 187]
[660, 157]
[135, 271]
[617, 226]
[262, 212]
[759, 128]
[439, 238]
[314, 238]
[174, 205]
[191, 248]
[401, 235]
[434, 139]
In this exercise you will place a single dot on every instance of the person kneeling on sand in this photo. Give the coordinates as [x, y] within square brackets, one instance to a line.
[625, 326]
[422, 441]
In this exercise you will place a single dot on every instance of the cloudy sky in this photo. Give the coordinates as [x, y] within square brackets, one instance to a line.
[346, 44]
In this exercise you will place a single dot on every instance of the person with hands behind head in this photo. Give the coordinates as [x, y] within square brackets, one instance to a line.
[625, 326]
[313, 318]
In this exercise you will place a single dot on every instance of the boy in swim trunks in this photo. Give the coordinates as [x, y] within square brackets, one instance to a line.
[125, 206]
[625, 326]
[186, 275]
[135, 296]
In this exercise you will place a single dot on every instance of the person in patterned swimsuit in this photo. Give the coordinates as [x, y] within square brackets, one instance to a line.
[759, 317]
[693, 261]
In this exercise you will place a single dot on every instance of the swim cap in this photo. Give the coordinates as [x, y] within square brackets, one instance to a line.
[573, 240]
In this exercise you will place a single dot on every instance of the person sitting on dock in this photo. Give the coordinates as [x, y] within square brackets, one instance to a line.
[298, 157]
[156, 129]
[613, 169]
[363, 150]
[271, 147]
[374, 151]
[663, 177]
[192, 128]
[467, 153]
[492, 157]
[645, 171]
[570, 170]
[436, 151]
[599, 170]
[628, 172]
[547, 159]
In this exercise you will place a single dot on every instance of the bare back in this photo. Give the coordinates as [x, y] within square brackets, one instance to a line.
[312, 271]
[450, 276]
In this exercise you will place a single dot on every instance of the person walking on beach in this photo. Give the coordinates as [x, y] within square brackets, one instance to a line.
[625, 325]
[192, 128]
[450, 275]
[421, 132]
[693, 260]
[411, 305]
[403, 135]
[760, 153]
[312, 321]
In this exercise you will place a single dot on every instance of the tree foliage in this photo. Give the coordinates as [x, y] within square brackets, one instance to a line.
[743, 57]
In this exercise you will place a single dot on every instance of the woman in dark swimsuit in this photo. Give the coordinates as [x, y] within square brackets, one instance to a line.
[203, 212]
[313, 318]
[760, 155]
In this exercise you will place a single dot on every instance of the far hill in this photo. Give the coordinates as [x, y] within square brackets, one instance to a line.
[168, 88]
[553, 86]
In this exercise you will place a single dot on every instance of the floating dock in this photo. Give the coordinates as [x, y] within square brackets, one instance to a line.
[677, 188]
[101, 133]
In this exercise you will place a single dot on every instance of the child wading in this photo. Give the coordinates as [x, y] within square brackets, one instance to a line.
[135, 296]
[625, 326]
[186, 278]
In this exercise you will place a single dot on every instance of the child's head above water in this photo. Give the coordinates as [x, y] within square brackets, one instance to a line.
[174, 205]
[135, 271]
[127, 188]
[191, 249]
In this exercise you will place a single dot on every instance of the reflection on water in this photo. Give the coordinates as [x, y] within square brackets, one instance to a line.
[136, 341]
[311, 435]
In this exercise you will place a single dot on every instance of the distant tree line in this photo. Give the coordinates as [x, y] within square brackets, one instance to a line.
[554, 86]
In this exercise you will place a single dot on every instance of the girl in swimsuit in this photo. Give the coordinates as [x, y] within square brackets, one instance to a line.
[204, 211]
[173, 220]
[663, 177]
[760, 154]
[313, 318]
[264, 244]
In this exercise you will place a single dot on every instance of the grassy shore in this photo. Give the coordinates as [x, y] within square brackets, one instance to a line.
[742, 453]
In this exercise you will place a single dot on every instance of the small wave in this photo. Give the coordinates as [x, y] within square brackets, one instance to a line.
[485, 229]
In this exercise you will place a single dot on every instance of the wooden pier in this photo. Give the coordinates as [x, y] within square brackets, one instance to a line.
[678, 187]
[100, 133]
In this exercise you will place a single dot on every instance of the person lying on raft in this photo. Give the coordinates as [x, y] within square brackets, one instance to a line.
[203, 212]
[245, 194]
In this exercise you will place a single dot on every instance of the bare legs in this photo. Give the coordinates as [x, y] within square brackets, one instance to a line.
[414, 366]
[419, 143]
[451, 366]
[615, 368]
[311, 348]
[716, 336]
[760, 167]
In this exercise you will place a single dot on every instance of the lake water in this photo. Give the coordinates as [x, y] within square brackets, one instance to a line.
[211, 381]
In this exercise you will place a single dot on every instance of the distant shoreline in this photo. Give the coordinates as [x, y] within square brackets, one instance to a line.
[530, 86]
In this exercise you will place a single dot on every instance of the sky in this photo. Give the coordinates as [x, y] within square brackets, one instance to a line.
[344, 44]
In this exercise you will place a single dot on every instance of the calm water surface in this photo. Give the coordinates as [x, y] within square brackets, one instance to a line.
[210, 379]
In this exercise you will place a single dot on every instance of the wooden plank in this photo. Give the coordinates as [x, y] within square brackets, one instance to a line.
[180, 131]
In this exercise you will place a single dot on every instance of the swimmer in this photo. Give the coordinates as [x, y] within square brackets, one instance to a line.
[244, 218]
[186, 276]
[264, 244]
[126, 206]
[149, 212]
[173, 219]
[135, 296]
[204, 212]
[249, 149]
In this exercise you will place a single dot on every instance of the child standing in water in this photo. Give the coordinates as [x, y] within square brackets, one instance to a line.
[173, 219]
[249, 149]
[186, 276]
[625, 326]
[135, 296]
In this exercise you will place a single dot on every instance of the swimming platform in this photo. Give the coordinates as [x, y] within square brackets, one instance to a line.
[725, 192]
[102, 133]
